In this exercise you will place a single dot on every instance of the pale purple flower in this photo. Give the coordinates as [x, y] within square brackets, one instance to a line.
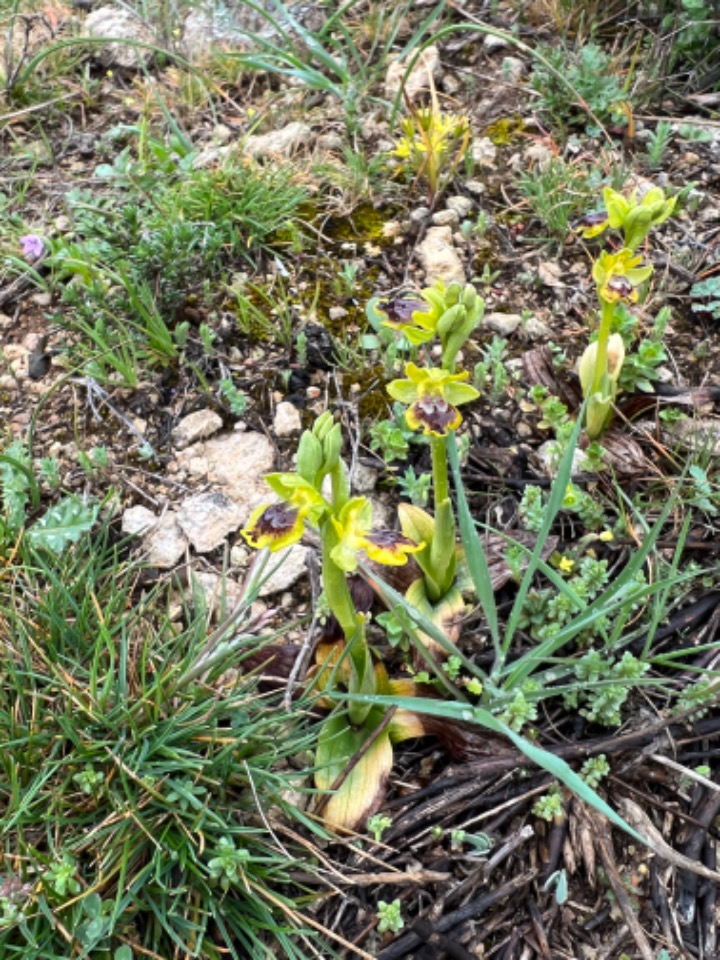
[32, 246]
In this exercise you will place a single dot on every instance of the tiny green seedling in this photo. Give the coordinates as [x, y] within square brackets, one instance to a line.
[390, 917]
[377, 825]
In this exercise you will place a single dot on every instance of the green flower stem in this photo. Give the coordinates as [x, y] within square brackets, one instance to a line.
[441, 485]
[336, 588]
[362, 674]
[608, 310]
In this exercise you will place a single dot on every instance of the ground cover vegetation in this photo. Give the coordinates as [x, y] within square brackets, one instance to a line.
[359, 585]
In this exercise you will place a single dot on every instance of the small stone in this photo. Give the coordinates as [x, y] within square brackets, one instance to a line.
[337, 313]
[523, 429]
[207, 519]
[439, 258]
[451, 84]
[484, 153]
[419, 215]
[364, 479]
[218, 25]
[534, 329]
[446, 218]
[383, 516]
[461, 205]
[330, 142]
[550, 454]
[476, 187]
[235, 462]
[222, 133]
[284, 142]
[393, 229]
[551, 274]
[513, 69]
[239, 556]
[292, 567]
[504, 324]
[287, 419]
[196, 426]
[492, 43]
[221, 594]
[418, 80]
[120, 24]
[211, 157]
[540, 155]
[166, 543]
[41, 299]
[137, 519]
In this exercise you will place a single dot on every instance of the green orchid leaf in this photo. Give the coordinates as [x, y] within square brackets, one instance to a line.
[363, 789]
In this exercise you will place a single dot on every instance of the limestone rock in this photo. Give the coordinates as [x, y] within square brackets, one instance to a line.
[214, 25]
[283, 142]
[222, 594]
[461, 205]
[484, 153]
[207, 519]
[196, 426]
[292, 567]
[364, 479]
[503, 324]
[235, 463]
[535, 329]
[446, 218]
[418, 80]
[439, 258]
[137, 519]
[166, 543]
[120, 23]
[513, 69]
[287, 419]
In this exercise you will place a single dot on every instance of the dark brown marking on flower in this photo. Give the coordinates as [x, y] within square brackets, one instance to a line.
[591, 220]
[621, 286]
[278, 519]
[436, 414]
[390, 539]
[400, 311]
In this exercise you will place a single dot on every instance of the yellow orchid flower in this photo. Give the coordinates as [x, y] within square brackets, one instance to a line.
[593, 224]
[354, 529]
[618, 274]
[279, 525]
[432, 397]
[275, 527]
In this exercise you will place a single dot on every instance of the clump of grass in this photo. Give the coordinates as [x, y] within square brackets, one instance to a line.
[137, 777]
[591, 73]
[556, 191]
[141, 250]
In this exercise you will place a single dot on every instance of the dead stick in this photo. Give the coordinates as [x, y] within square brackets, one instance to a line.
[470, 911]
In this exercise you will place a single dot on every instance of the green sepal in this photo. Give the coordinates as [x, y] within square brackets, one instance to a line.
[416, 336]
